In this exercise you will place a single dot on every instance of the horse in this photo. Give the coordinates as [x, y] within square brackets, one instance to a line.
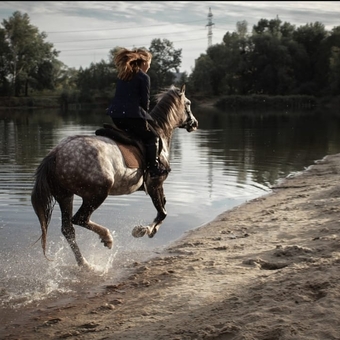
[93, 167]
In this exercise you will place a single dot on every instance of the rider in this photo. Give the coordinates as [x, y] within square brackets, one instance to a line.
[130, 105]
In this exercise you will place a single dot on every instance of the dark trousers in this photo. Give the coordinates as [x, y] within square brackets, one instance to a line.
[143, 130]
[138, 127]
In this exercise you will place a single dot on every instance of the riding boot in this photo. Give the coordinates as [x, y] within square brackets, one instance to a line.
[153, 164]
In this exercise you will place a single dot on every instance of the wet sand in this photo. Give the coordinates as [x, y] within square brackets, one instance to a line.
[266, 270]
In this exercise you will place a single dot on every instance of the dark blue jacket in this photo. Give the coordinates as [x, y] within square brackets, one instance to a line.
[132, 98]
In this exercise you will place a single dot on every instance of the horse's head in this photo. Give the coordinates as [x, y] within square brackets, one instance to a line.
[173, 110]
[190, 123]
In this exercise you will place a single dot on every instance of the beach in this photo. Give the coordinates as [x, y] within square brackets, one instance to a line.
[268, 269]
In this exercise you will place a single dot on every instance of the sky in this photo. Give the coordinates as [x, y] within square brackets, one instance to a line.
[85, 31]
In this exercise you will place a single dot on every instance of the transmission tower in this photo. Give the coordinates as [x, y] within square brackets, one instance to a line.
[210, 24]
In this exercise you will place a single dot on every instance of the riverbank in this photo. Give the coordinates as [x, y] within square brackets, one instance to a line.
[268, 269]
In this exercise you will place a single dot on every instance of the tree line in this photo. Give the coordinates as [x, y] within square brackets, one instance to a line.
[274, 59]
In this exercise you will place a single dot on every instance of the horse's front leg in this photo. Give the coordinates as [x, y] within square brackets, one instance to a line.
[158, 199]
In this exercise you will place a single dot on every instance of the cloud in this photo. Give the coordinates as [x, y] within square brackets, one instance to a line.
[85, 31]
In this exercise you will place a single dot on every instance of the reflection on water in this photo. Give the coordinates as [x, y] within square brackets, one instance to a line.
[232, 158]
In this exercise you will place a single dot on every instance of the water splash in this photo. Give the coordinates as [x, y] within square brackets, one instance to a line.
[30, 278]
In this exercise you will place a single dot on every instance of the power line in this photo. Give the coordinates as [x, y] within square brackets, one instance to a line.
[124, 37]
[120, 38]
[103, 48]
[93, 49]
[121, 28]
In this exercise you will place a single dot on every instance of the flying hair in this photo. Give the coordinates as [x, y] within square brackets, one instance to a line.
[128, 62]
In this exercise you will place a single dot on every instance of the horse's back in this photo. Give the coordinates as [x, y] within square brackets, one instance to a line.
[84, 162]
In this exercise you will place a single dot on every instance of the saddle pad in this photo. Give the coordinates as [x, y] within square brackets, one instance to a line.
[132, 156]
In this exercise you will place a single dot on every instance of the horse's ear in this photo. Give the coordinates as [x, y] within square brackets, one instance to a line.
[183, 88]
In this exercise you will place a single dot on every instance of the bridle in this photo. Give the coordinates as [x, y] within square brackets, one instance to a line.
[190, 123]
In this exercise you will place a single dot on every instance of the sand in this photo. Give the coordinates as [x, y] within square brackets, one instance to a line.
[266, 270]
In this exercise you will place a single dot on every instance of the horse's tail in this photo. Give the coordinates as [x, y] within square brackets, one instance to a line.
[42, 198]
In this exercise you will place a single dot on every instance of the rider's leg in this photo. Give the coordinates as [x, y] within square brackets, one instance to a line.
[152, 149]
[141, 129]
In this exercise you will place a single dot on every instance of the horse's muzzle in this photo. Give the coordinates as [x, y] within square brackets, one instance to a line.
[192, 125]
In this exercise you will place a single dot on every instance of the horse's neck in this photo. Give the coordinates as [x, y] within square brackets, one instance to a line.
[166, 144]
[164, 130]
[166, 138]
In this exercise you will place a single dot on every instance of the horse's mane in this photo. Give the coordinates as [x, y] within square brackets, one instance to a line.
[168, 102]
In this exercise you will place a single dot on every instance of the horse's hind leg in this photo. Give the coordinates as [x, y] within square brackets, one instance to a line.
[66, 207]
[82, 218]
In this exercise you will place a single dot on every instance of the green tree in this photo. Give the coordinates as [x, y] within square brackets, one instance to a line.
[333, 42]
[287, 30]
[272, 66]
[311, 37]
[271, 27]
[29, 54]
[200, 78]
[4, 64]
[236, 57]
[165, 61]
[221, 59]
[220, 70]
[65, 77]
[96, 81]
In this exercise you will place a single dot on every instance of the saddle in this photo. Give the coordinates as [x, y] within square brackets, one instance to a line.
[132, 149]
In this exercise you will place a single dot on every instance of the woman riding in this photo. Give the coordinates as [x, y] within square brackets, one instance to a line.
[129, 109]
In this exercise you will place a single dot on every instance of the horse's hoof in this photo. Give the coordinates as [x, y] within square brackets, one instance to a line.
[139, 231]
[152, 232]
[107, 244]
[84, 265]
[87, 267]
[108, 241]
[151, 235]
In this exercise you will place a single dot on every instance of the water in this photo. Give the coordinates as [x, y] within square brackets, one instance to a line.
[231, 159]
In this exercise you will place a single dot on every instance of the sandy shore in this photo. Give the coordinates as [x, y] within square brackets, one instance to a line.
[266, 270]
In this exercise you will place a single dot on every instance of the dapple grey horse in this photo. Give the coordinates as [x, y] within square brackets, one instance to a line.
[93, 167]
